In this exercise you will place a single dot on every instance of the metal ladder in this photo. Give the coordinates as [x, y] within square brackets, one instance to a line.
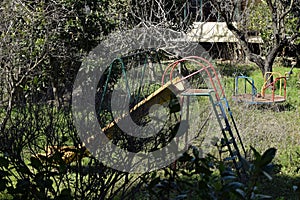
[231, 137]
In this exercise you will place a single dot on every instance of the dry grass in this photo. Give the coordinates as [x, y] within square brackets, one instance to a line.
[276, 126]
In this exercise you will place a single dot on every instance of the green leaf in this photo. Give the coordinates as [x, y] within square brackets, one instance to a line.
[39, 42]
[186, 173]
[185, 157]
[23, 185]
[256, 154]
[65, 194]
[39, 177]
[23, 169]
[35, 163]
[48, 183]
[229, 178]
[154, 182]
[64, 139]
[262, 196]
[4, 162]
[35, 80]
[3, 183]
[182, 196]
[267, 175]
[4, 173]
[268, 156]
[195, 152]
[235, 185]
[153, 175]
[245, 164]
[202, 169]
[240, 192]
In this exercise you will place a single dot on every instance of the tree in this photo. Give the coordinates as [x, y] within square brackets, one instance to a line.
[42, 44]
[162, 13]
[275, 21]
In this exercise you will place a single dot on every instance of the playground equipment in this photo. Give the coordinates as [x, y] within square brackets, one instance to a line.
[216, 95]
[173, 91]
[66, 154]
[272, 91]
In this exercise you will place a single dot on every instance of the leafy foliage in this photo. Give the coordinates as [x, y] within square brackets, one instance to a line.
[258, 22]
[42, 43]
[209, 178]
[274, 21]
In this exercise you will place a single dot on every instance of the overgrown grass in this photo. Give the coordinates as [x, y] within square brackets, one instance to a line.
[272, 126]
[260, 126]
[269, 126]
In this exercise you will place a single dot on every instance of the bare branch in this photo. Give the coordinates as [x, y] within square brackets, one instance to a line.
[288, 11]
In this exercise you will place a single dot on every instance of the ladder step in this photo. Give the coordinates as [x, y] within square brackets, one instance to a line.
[230, 145]
[234, 153]
[229, 158]
[226, 128]
[224, 143]
[239, 165]
[233, 156]
[223, 151]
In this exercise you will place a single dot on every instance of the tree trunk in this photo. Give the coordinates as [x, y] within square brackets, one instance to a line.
[268, 67]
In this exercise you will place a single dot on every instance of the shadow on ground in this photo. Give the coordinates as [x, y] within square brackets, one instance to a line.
[233, 70]
[281, 187]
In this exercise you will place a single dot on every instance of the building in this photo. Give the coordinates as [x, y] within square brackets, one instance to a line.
[212, 33]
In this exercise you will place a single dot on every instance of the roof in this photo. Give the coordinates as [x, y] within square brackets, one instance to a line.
[215, 32]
